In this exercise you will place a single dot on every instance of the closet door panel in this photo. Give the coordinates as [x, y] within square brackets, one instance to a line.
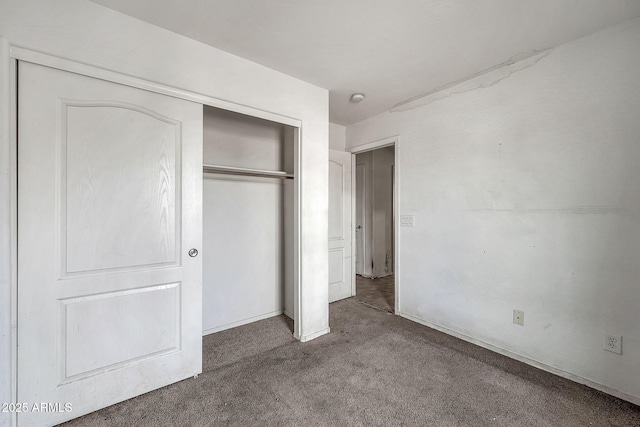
[97, 138]
[109, 203]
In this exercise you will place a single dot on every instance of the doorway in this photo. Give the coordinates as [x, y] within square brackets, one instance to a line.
[374, 223]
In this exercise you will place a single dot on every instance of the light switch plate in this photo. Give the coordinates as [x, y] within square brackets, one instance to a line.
[407, 220]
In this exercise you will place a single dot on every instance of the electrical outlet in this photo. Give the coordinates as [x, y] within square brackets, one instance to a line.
[613, 343]
[518, 317]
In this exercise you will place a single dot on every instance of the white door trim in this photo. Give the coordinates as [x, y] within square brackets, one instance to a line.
[374, 145]
[363, 222]
[8, 228]
[297, 236]
[353, 224]
[9, 57]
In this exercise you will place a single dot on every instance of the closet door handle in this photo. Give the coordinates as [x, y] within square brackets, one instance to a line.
[193, 252]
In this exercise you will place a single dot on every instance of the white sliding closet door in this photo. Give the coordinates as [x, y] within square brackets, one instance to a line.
[109, 205]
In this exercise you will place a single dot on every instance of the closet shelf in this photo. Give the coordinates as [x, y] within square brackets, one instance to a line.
[230, 170]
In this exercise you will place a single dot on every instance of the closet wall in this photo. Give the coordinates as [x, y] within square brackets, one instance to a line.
[247, 221]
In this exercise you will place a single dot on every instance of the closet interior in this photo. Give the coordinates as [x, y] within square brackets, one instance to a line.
[248, 219]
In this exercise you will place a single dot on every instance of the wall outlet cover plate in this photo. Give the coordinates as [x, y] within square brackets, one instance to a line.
[613, 343]
[518, 317]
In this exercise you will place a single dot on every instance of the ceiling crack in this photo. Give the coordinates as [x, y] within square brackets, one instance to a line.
[482, 80]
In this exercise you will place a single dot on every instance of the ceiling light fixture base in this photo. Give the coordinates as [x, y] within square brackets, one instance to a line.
[357, 97]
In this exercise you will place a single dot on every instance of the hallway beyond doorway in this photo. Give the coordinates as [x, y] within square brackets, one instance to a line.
[379, 292]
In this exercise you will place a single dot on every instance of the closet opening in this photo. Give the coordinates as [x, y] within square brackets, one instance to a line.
[250, 216]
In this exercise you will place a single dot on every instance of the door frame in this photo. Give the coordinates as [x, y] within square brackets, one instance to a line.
[354, 199]
[370, 146]
[10, 55]
[354, 217]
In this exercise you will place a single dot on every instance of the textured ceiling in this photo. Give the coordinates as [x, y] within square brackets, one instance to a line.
[390, 50]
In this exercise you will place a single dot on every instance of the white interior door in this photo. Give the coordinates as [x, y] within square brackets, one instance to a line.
[360, 217]
[340, 269]
[109, 205]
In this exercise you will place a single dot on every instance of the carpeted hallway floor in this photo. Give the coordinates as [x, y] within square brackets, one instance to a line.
[374, 369]
[379, 292]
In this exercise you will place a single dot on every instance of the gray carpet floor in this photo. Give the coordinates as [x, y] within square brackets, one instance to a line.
[374, 369]
[378, 292]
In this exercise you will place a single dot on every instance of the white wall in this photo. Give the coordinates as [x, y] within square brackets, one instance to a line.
[378, 227]
[337, 134]
[244, 231]
[88, 33]
[525, 188]
[242, 251]
[234, 139]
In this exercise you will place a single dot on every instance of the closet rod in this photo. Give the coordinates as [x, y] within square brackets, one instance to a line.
[230, 170]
